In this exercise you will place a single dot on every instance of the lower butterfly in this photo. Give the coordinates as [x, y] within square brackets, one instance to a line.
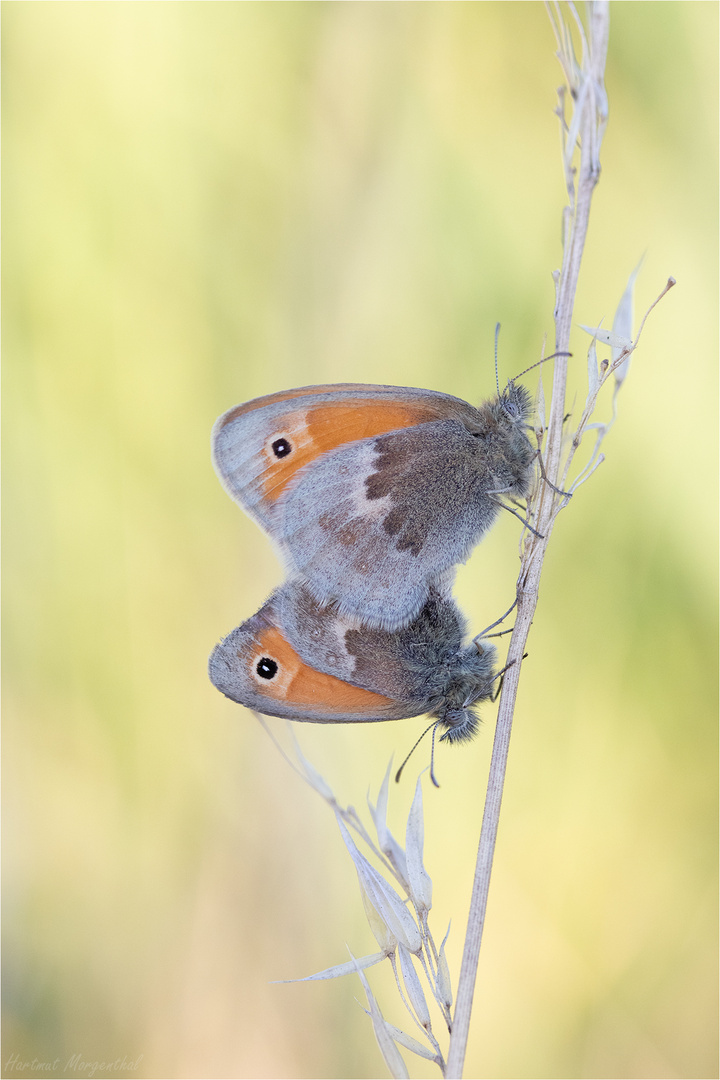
[302, 661]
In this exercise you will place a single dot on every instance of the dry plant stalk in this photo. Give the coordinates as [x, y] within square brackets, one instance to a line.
[585, 82]
[582, 135]
[398, 898]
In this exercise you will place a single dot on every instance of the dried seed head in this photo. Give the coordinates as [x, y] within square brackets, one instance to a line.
[623, 323]
[419, 879]
[444, 986]
[386, 841]
[388, 905]
[414, 988]
[381, 932]
[383, 1034]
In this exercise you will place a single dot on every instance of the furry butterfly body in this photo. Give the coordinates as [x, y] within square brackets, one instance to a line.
[374, 494]
[298, 659]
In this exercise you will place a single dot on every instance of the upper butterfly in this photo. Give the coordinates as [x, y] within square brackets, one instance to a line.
[374, 494]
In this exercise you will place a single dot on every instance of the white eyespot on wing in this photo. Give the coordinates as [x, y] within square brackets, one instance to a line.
[253, 451]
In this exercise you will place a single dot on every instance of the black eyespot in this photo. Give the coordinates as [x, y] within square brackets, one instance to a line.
[266, 668]
[281, 448]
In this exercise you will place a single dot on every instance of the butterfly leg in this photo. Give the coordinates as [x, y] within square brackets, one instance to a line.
[557, 490]
[501, 675]
[483, 633]
[525, 522]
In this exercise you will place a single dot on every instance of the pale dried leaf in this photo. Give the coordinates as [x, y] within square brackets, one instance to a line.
[540, 423]
[340, 969]
[574, 126]
[383, 1034]
[607, 337]
[413, 987]
[601, 101]
[385, 939]
[593, 374]
[386, 841]
[383, 897]
[623, 323]
[409, 1043]
[444, 984]
[312, 776]
[418, 877]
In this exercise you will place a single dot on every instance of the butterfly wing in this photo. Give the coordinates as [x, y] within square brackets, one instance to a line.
[256, 666]
[373, 493]
[423, 665]
[374, 524]
[260, 447]
[405, 664]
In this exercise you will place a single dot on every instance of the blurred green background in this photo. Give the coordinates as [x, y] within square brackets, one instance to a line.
[204, 202]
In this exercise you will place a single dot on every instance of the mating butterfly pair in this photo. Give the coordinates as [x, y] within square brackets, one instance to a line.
[373, 495]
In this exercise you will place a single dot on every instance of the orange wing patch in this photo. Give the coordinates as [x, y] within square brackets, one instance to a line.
[298, 684]
[314, 431]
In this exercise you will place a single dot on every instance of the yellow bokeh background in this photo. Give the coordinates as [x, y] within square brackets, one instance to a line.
[204, 202]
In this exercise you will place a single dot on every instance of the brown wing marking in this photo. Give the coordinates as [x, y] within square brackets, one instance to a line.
[312, 432]
[297, 683]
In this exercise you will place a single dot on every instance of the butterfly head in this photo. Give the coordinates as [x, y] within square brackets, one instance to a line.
[515, 404]
[503, 439]
[460, 725]
[470, 683]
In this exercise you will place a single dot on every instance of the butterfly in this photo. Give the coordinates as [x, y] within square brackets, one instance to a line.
[301, 660]
[374, 494]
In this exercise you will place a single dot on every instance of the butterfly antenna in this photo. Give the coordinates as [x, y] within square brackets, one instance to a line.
[497, 335]
[432, 755]
[397, 774]
[539, 362]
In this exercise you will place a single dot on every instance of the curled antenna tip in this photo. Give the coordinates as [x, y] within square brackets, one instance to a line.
[432, 751]
[414, 748]
[544, 360]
